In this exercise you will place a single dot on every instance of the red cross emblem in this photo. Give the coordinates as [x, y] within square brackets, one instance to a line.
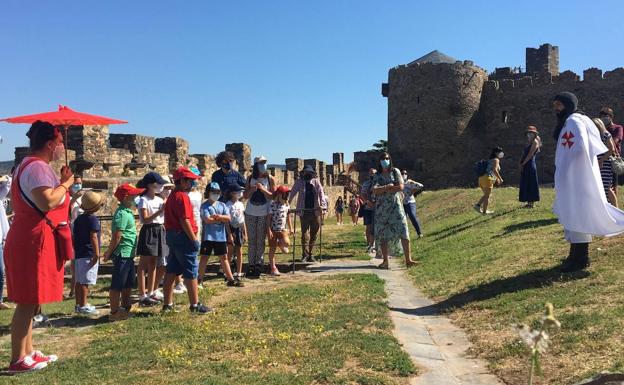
[567, 140]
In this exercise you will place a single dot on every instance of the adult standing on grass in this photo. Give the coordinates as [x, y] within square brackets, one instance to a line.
[580, 202]
[259, 190]
[490, 178]
[605, 164]
[182, 239]
[390, 220]
[368, 210]
[617, 133]
[339, 209]
[5, 188]
[227, 175]
[34, 267]
[354, 207]
[529, 184]
[310, 195]
[410, 187]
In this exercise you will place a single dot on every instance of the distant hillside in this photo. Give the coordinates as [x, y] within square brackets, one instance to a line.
[5, 167]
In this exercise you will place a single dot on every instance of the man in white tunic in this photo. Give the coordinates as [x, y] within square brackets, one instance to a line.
[580, 203]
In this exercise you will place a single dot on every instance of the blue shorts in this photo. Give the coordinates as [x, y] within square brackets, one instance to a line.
[183, 252]
[369, 217]
[123, 273]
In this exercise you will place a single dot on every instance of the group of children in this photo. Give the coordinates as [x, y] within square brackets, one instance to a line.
[169, 241]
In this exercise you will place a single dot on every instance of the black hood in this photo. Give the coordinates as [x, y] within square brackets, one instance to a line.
[570, 104]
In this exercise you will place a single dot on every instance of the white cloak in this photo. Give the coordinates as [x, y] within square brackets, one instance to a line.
[580, 201]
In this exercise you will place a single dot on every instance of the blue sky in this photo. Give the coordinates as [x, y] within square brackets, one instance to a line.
[291, 78]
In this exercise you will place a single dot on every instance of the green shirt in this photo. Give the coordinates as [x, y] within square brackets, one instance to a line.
[123, 221]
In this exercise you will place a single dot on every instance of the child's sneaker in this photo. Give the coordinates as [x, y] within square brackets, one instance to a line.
[88, 311]
[25, 365]
[200, 286]
[179, 288]
[157, 295]
[168, 309]
[38, 356]
[200, 308]
[234, 283]
[147, 302]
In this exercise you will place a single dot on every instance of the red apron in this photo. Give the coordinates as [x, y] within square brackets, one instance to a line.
[34, 271]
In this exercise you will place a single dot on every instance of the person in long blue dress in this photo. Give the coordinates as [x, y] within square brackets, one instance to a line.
[529, 183]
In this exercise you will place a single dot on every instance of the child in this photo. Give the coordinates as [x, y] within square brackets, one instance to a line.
[120, 250]
[278, 218]
[87, 251]
[237, 226]
[216, 233]
[151, 244]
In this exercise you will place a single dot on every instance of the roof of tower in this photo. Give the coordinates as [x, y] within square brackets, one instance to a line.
[434, 57]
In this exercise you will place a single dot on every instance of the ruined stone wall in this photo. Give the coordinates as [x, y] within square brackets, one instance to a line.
[526, 102]
[430, 110]
[242, 153]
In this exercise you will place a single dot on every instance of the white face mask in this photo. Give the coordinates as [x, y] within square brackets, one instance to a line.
[238, 194]
[404, 176]
[59, 151]
[214, 197]
[158, 188]
[500, 155]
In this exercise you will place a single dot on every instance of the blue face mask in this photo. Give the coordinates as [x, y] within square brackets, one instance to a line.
[76, 187]
[193, 183]
[136, 200]
[262, 167]
[227, 166]
[385, 163]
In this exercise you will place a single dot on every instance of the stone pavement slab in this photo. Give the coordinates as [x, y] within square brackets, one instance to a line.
[435, 345]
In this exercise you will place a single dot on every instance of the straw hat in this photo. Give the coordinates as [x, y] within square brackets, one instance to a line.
[532, 129]
[91, 201]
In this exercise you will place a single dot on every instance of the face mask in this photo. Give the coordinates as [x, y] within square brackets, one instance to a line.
[500, 155]
[214, 197]
[307, 177]
[404, 176]
[136, 200]
[606, 120]
[226, 166]
[262, 167]
[385, 163]
[159, 188]
[59, 151]
[194, 183]
[76, 187]
[238, 194]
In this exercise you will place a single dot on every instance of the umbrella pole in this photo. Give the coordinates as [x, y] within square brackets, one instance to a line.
[65, 145]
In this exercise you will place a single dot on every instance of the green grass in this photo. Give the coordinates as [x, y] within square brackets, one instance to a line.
[333, 330]
[488, 272]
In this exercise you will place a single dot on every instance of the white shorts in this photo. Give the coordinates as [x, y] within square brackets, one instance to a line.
[85, 275]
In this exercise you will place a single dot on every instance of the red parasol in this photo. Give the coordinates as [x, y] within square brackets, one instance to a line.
[65, 117]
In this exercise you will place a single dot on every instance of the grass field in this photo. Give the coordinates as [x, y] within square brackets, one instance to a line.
[488, 272]
[292, 330]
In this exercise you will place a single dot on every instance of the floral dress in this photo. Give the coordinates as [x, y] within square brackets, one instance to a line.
[390, 219]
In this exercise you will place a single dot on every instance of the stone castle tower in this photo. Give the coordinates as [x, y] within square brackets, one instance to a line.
[444, 115]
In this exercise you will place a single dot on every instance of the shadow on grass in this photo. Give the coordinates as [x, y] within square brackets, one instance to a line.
[528, 225]
[454, 230]
[529, 280]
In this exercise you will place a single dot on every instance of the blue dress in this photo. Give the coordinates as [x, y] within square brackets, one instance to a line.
[529, 185]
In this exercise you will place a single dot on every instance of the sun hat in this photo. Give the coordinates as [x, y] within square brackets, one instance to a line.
[91, 201]
[126, 190]
[259, 159]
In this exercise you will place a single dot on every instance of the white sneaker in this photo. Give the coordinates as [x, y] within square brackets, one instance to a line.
[200, 286]
[179, 289]
[158, 295]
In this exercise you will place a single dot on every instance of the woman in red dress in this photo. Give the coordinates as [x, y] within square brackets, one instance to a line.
[34, 271]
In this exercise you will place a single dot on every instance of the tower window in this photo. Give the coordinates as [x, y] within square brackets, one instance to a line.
[417, 99]
[504, 117]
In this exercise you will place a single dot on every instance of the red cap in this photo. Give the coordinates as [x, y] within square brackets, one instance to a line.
[282, 189]
[127, 189]
[184, 172]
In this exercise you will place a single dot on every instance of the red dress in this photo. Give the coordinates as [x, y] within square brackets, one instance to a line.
[34, 273]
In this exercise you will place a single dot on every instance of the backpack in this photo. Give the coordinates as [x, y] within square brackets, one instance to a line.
[481, 167]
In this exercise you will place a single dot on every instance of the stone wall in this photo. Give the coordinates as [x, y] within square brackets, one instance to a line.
[442, 118]
[242, 153]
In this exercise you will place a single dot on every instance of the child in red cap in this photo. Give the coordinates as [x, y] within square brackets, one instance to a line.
[121, 251]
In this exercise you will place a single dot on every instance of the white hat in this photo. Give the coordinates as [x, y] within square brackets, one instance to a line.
[4, 178]
[259, 159]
